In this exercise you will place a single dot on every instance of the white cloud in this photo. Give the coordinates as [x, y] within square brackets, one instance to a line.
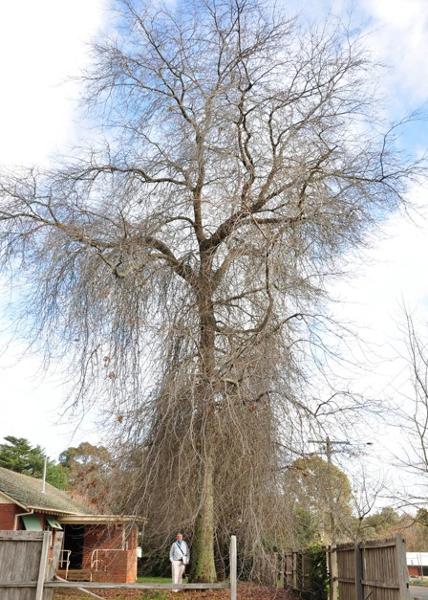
[384, 278]
[32, 404]
[42, 45]
[399, 39]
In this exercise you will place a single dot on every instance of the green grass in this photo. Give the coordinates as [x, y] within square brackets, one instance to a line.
[417, 581]
[154, 580]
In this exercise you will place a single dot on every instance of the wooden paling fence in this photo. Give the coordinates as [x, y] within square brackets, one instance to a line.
[375, 569]
[297, 569]
[268, 568]
[29, 561]
[372, 570]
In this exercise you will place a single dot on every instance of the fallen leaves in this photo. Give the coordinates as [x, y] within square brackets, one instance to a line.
[246, 591]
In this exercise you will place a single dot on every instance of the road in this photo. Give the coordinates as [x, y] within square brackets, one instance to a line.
[418, 592]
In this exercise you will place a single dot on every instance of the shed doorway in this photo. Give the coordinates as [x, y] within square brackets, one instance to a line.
[74, 536]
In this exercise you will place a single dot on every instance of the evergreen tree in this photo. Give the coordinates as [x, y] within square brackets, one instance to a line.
[17, 454]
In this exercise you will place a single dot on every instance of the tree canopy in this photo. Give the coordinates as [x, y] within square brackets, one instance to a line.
[17, 454]
[90, 473]
[313, 489]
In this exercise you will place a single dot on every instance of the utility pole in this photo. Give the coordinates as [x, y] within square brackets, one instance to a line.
[45, 466]
[334, 583]
[332, 555]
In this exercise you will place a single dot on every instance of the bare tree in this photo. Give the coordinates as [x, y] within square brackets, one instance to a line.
[413, 417]
[366, 494]
[180, 263]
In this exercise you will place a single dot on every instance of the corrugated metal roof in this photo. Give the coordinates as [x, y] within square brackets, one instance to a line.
[27, 491]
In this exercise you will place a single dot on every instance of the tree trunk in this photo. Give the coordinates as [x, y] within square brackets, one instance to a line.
[203, 565]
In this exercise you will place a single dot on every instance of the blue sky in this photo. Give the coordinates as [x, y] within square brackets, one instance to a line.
[39, 119]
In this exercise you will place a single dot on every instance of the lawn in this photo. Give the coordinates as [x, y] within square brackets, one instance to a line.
[154, 579]
[423, 582]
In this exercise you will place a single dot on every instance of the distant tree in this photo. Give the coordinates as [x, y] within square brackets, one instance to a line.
[314, 488]
[85, 457]
[387, 522]
[17, 454]
[416, 532]
[384, 522]
[305, 528]
[56, 475]
[422, 517]
[89, 472]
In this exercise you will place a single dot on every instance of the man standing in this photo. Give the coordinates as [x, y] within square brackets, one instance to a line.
[179, 557]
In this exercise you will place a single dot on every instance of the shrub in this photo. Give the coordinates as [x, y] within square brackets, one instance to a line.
[318, 575]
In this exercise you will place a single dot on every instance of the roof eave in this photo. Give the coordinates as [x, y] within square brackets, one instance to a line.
[54, 511]
[14, 501]
[99, 519]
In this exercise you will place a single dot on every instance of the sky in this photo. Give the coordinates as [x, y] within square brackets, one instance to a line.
[40, 56]
[43, 48]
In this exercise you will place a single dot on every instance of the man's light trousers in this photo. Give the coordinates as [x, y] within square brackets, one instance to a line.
[177, 571]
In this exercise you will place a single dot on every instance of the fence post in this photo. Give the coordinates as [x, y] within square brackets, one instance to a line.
[287, 570]
[43, 565]
[295, 570]
[56, 551]
[328, 563]
[233, 568]
[334, 584]
[359, 574]
[401, 566]
[281, 569]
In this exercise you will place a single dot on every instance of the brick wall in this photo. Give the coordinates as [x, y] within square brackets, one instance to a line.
[118, 566]
[7, 515]
[100, 536]
[122, 568]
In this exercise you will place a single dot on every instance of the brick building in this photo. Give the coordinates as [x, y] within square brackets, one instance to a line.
[417, 564]
[95, 547]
